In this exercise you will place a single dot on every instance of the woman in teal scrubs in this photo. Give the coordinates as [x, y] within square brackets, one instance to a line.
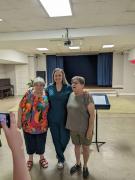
[58, 93]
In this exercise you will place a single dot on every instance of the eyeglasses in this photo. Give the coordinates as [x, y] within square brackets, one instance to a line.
[74, 82]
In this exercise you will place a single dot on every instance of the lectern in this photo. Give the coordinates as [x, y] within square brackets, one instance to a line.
[101, 102]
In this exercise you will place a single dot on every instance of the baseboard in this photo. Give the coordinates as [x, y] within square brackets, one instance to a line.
[118, 87]
[126, 94]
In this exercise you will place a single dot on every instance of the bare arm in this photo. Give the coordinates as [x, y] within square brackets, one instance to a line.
[15, 143]
[91, 110]
[19, 124]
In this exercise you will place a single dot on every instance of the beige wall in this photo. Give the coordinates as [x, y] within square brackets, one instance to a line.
[32, 67]
[10, 73]
[129, 76]
[118, 65]
[14, 65]
[22, 78]
[24, 73]
[2, 71]
[18, 75]
[41, 64]
[36, 64]
[123, 73]
[8, 55]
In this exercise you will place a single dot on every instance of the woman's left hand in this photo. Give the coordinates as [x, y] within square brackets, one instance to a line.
[13, 135]
[89, 134]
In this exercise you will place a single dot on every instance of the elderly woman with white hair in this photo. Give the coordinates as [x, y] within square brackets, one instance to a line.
[32, 117]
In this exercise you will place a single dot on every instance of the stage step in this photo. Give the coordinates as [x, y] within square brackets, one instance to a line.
[109, 92]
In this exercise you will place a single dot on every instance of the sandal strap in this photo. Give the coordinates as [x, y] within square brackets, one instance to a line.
[29, 163]
[43, 161]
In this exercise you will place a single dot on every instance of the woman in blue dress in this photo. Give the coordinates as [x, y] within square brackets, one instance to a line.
[58, 93]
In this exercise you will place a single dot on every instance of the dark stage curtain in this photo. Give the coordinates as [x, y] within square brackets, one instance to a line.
[82, 65]
[96, 69]
[104, 69]
[53, 62]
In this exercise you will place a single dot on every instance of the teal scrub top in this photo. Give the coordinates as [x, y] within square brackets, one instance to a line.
[57, 113]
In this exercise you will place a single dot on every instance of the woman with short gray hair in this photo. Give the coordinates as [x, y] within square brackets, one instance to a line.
[80, 122]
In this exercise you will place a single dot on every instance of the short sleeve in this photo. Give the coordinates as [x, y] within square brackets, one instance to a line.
[26, 97]
[88, 99]
[23, 100]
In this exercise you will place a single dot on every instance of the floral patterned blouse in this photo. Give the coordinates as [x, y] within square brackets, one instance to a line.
[33, 112]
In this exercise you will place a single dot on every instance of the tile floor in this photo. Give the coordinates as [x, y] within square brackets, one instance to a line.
[115, 161]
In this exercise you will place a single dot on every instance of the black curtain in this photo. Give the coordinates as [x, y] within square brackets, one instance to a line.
[96, 69]
[83, 65]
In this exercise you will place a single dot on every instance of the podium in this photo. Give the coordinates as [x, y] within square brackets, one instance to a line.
[101, 102]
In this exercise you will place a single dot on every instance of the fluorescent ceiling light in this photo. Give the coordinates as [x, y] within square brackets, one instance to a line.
[74, 47]
[42, 49]
[108, 46]
[1, 20]
[56, 8]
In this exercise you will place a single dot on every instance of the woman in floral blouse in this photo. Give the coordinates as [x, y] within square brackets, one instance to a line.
[32, 117]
